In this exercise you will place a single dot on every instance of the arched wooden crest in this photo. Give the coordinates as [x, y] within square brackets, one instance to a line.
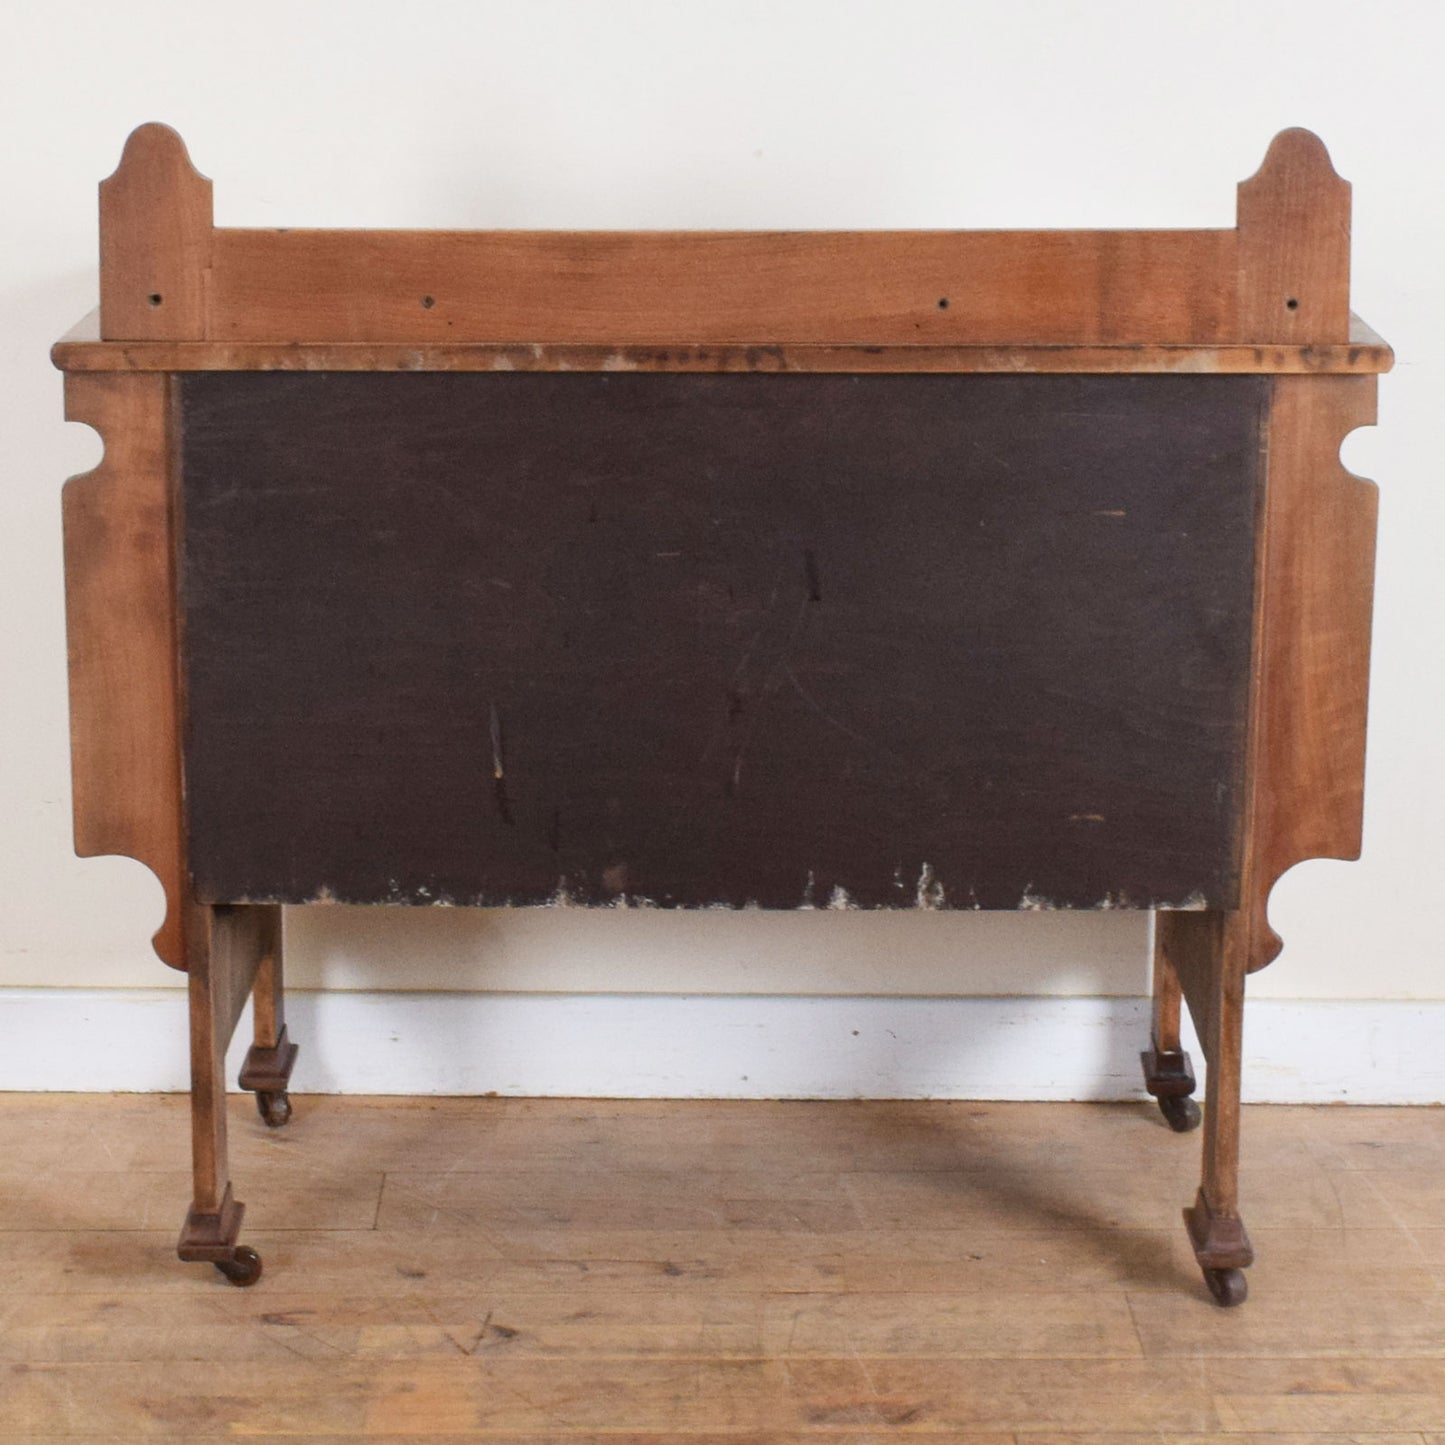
[155, 241]
[1294, 245]
[1281, 276]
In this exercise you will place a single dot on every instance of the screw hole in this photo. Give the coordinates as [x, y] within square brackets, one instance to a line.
[154, 298]
[428, 302]
[1292, 304]
[943, 303]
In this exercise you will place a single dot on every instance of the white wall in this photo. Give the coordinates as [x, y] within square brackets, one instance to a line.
[728, 114]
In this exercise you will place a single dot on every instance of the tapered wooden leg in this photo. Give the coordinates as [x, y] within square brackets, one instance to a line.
[1210, 955]
[224, 948]
[267, 1070]
[1168, 1069]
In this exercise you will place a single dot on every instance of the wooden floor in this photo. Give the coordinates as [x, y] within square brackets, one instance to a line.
[527, 1271]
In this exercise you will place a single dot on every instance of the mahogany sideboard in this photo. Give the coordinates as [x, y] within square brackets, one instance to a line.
[875, 569]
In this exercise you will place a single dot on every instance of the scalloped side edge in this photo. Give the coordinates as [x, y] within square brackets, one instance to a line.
[1318, 579]
[120, 632]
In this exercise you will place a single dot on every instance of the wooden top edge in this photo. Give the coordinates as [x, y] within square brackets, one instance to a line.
[1363, 334]
[991, 299]
[81, 349]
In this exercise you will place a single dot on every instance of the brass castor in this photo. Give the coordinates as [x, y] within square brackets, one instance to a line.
[1181, 1112]
[243, 1268]
[1228, 1286]
[275, 1108]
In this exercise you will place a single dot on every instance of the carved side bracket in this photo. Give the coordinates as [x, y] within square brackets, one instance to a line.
[120, 626]
[1317, 573]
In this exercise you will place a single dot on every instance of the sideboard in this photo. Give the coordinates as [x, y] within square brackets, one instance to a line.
[881, 569]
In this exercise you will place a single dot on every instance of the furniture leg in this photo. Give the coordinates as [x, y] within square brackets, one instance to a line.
[224, 948]
[1209, 953]
[1168, 1070]
[272, 1056]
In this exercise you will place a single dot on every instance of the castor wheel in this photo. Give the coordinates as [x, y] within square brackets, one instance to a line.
[243, 1268]
[1181, 1112]
[1228, 1286]
[274, 1108]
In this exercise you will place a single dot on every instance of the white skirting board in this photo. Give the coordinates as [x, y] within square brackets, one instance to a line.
[667, 1046]
[753, 1046]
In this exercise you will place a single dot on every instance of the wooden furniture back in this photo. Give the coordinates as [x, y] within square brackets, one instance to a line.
[995, 570]
[1258, 761]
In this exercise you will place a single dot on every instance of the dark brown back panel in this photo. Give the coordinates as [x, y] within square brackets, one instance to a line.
[969, 640]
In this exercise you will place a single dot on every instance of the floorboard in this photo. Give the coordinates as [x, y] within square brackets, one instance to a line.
[634, 1273]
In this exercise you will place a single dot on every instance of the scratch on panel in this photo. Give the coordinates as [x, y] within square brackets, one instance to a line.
[810, 577]
[770, 684]
[817, 707]
[499, 781]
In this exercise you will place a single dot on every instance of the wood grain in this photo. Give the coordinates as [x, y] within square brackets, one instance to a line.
[913, 1326]
[155, 241]
[121, 635]
[1294, 245]
[81, 349]
[718, 288]
[1317, 590]
[1305, 771]
[1281, 276]
[225, 947]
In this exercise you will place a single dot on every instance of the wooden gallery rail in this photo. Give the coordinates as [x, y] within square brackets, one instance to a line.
[879, 569]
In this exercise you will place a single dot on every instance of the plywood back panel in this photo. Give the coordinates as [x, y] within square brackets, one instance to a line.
[885, 641]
